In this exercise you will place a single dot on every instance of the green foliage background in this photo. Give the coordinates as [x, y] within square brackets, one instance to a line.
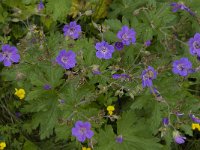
[45, 123]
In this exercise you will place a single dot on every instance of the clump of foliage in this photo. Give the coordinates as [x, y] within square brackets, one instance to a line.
[99, 74]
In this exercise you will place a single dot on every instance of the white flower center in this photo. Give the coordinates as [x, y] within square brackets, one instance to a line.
[180, 67]
[125, 36]
[196, 45]
[7, 54]
[104, 49]
[64, 59]
[71, 31]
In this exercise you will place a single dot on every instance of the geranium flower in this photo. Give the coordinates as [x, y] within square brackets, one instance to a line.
[9, 55]
[72, 30]
[82, 131]
[66, 59]
[126, 35]
[104, 50]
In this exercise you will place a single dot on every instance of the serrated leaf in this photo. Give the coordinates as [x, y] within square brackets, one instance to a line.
[110, 36]
[28, 145]
[106, 139]
[58, 9]
[114, 24]
[187, 129]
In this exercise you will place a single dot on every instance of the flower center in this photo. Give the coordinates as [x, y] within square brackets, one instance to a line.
[196, 45]
[82, 130]
[64, 59]
[150, 74]
[6, 54]
[125, 36]
[71, 31]
[180, 67]
[104, 49]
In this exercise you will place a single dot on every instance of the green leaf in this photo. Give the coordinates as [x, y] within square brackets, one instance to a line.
[187, 129]
[110, 36]
[54, 75]
[106, 139]
[28, 145]
[34, 94]
[47, 119]
[62, 132]
[114, 24]
[136, 136]
[156, 118]
[58, 9]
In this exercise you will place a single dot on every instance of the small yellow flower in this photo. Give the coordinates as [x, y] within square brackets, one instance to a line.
[110, 109]
[20, 93]
[84, 148]
[195, 126]
[2, 145]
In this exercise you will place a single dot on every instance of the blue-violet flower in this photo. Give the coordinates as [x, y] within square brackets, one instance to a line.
[119, 139]
[40, 6]
[182, 67]
[195, 119]
[147, 43]
[126, 35]
[9, 55]
[165, 121]
[104, 50]
[180, 6]
[178, 138]
[72, 30]
[47, 87]
[194, 45]
[82, 131]
[66, 59]
[119, 46]
[147, 76]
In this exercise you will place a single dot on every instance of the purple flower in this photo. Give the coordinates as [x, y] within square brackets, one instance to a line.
[155, 92]
[116, 76]
[9, 55]
[177, 6]
[181, 66]
[194, 45]
[61, 101]
[104, 50]
[120, 76]
[72, 30]
[165, 121]
[195, 119]
[95, 70]
[147, 43]
[119, 139]
[180, 6]
[66, 59]
[82, 131]
[40, 6]
[126, 35]
[18, 114]
[198, 58]
[119, 45]
[47, 87]
[125, 76]
[147, 76]
[178, 138]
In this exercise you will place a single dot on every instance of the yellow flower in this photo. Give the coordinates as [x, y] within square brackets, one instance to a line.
[84, 148]
[2, 145]
[195, 126]
[110, 109]
[20, 93]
